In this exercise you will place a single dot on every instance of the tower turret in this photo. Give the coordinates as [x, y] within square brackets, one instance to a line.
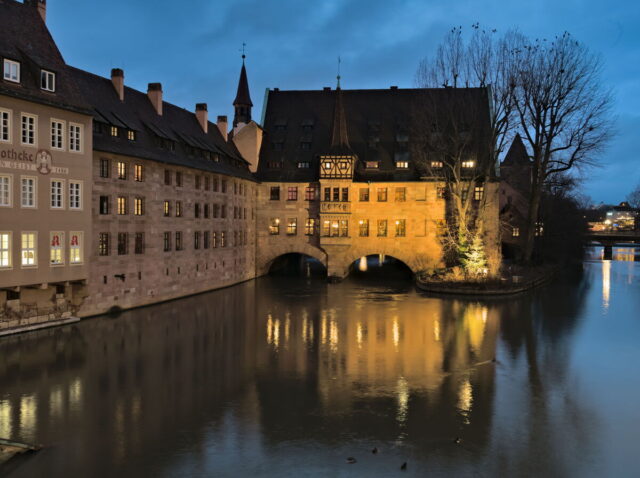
[242, 104]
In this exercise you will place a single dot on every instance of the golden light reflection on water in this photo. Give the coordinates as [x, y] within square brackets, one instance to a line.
[402, 393]
[56, 402]
[465, 399]
[5, 418]
[606, 284]
[28, 416]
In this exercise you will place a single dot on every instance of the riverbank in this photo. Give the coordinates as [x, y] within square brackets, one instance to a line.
[514, 281]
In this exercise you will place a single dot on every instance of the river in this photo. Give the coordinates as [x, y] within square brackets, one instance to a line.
[289, 377]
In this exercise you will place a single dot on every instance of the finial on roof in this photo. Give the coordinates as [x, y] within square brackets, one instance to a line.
[243, 53]
[338, 77]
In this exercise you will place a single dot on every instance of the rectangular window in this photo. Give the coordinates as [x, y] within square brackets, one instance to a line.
[5, 250]
[196, 210]
[402, 164]
[310, 226]
[11, 71]
[382, 227]
[382, 194]
[122, 206]
[364, 227]
[440, 192]
[197, 181]
[327, 194]
[468, 164]
[47, 80]
[138, 206]
[216, 184]
[5, 190]
[401, 194]
[336, 194]
[196, 240]
[345, 194]
[292, 193]
[167, 209]
[178, 178]
[401, 228]
[216, 209]
[222, 240]
[104, 167]
[206, 240]
[5, 126]
[214, 239]
[56, 244]
[292, 226]
[57, 197]
[372, 164]
[515, 232]
[178, 241]
[436, 164]
[326, 228]
[29, 249]
[75, 247]
[303, 165]
[478, 192]
[223, 211]
[75, 195]
[115, 132]
[274, 226]
[103, 244]
[207, 181]
[138, 243]
[138, 173]
[121, 168]
[166, 241]
[539, 231]
[344, 228]
[28, 192]
[275, 193]
[364, 194]
[311, 193]
[167, 177]
[75, 137]
[29, 130]
[178, 208]
[206, 211]
[104, 204]
[123, 243]
[131, 135]
[57, 134]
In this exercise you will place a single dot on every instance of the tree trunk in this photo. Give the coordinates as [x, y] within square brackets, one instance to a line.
[534, 207]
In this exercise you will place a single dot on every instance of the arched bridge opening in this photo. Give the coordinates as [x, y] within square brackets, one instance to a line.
[298, 265]
[380, 267]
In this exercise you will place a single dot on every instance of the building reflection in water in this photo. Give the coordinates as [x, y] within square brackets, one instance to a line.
[606, 284]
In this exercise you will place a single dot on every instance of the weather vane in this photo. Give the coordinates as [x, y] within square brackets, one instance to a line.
[338, 77]
[243, 55]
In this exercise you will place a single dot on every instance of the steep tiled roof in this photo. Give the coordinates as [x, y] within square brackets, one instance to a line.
[517, 154]
[381, 125]
[176, 125]
[24, 37]
[242, 96]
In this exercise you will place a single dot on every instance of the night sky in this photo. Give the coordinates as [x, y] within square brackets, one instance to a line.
[193, 48]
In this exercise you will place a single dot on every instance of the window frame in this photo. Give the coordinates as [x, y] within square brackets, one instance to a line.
[9, 193]
[62, 194]
[35, 250]
[34, 204]
[8, 126]
[79, 247]
[76, 134]
[6, 73]
[80, 185]
[8, 251]
[45, 76]
[57, 137]
[60, 248]
[35, 130]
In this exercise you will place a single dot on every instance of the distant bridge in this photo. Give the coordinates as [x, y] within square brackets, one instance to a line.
[608, 239]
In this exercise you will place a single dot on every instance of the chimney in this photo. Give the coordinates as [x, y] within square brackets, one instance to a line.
[154, 92]
[41, 5]
[203, 116]
[117, 78]
[222, 126]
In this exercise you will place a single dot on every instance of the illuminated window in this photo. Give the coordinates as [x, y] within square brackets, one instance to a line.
[131, 135]
[5, 250]
[539, 228]
[5, 126]
[27, 192]
[292, 226]
[178, 208]
[57, 134]
[57, 198]
[382, 227]
[310, 226]
[47, 80]
[364, 227]
[166, 208]
[401, 194]
[103, 244]
[303, 165]
[28, 130]
[214, 239]
[123, 243]
[402, 164]
[223, 243]
[75, 137]
[468, 164]
[138, 172]
[274, 226]
[327, 165]
[11, 71]
[138, 206]
[75, 247]
[336, 228]
[382, 194]
[114, 131]
[344, 228]
[436, 164]
[292, 193]
[122, 205]
[372, 164]
[75, 195]
[515, 232]
[56, 244]
[121, 167]
[29, 249]
[5, 190]
[478, 192]
[364, 194]
[310, 193]
[401, 228]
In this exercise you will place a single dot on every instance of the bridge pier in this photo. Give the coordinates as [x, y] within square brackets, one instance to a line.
[608, 253]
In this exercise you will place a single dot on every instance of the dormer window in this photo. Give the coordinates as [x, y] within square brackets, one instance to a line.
[436, 164]
[402, 164]
[11, 71]
[372, 164]
[114, 131]
[402, 159]
[468, 164]
[303, 165]
[131, 135]
[47, 80]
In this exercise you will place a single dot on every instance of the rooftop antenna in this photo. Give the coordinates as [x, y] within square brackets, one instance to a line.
[338, 77]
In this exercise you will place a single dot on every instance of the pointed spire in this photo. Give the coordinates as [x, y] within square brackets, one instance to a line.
[339, 136]
[242, 104]
[517, 153]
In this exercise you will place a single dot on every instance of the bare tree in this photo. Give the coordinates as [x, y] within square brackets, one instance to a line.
[564, 113]
[633, 198]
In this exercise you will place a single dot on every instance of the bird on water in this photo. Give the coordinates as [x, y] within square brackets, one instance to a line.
[403, 466]
[351, 460]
